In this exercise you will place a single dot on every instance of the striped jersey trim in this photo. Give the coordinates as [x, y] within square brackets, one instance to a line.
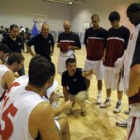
[95, 38]
[117, 38]
[67, 41]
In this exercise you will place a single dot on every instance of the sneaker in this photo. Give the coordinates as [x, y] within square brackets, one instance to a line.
[122, 123]
[99, 100]
[83, 112]
[118, 108]
[105, 104]
[127, 111]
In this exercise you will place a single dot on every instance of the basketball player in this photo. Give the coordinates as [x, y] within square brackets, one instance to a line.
[67, 42]
[74, 86]
[95, 38]
[14, 63]
[117, 40]
[43, 43]
[4, 52]
[30, 116]
[126, 60]
[60, 119]
[133, 92]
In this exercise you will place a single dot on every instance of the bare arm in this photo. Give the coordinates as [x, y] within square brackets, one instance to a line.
[58, 45]
[134, 80]
[86, 47]
[41, 120]
[30, 50]
[8, 79]
[59, 110]
[88, 73]
[103, 58]
[52, 49]
[65, 92]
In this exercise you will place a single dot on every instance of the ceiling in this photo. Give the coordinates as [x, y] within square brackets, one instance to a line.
[69, 2]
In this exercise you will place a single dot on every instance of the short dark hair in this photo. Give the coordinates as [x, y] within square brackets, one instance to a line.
[134, 7]
[40, 70]
[5, 48]
[114, 16]
[13, 26]
[95, 15]
[15, 57]
[70, 60]
[27, 29]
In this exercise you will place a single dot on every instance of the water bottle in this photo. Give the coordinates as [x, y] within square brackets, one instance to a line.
[56, 99]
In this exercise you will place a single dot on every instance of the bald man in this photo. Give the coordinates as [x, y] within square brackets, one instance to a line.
[43, 43]
[67, 42]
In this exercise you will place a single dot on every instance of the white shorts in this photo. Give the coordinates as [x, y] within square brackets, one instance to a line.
[133, 128]
[133, 124]
[97, 66]
[113, 81]
[62, 63]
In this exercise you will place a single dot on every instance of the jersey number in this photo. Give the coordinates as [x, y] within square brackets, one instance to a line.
[7, 131]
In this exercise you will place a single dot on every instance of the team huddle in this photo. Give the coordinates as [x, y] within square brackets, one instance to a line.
[28, 103]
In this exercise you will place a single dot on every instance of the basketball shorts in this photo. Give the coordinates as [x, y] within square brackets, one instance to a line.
[97, 66]
[113, 80]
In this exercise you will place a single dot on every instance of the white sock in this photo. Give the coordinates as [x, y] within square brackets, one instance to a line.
[108, 98]
[99, 92]
[119, 101]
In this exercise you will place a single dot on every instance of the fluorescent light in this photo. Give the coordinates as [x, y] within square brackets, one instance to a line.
[70, 2]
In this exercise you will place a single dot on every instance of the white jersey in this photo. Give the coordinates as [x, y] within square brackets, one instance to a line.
[23, 80]
[3, 70]
[15, 112]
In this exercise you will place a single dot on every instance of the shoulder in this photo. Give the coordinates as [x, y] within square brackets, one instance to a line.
[40, 112]
[50, 35]
[37, 36]
[110, 29]
[8, 75]
[6, 39]
[89, 29]
[79, 70]
[103, 30]
[125, 29]
[74, 35]
[61, 34]
[65, 73]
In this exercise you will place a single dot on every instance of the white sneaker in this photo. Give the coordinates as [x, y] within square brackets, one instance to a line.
[118, 108]
[127, 111]
[99, 100]
[105, 104]
[122, 123]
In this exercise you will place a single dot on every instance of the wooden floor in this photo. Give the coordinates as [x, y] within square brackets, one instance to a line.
[98, 124]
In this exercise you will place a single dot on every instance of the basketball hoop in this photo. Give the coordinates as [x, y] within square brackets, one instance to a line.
[40, 19]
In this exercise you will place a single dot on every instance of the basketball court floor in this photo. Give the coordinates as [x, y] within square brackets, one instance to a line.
[98, 124]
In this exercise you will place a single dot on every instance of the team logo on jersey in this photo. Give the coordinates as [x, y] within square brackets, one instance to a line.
[131, 36]
[74, 80]
[49, 41]
[19, 43]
